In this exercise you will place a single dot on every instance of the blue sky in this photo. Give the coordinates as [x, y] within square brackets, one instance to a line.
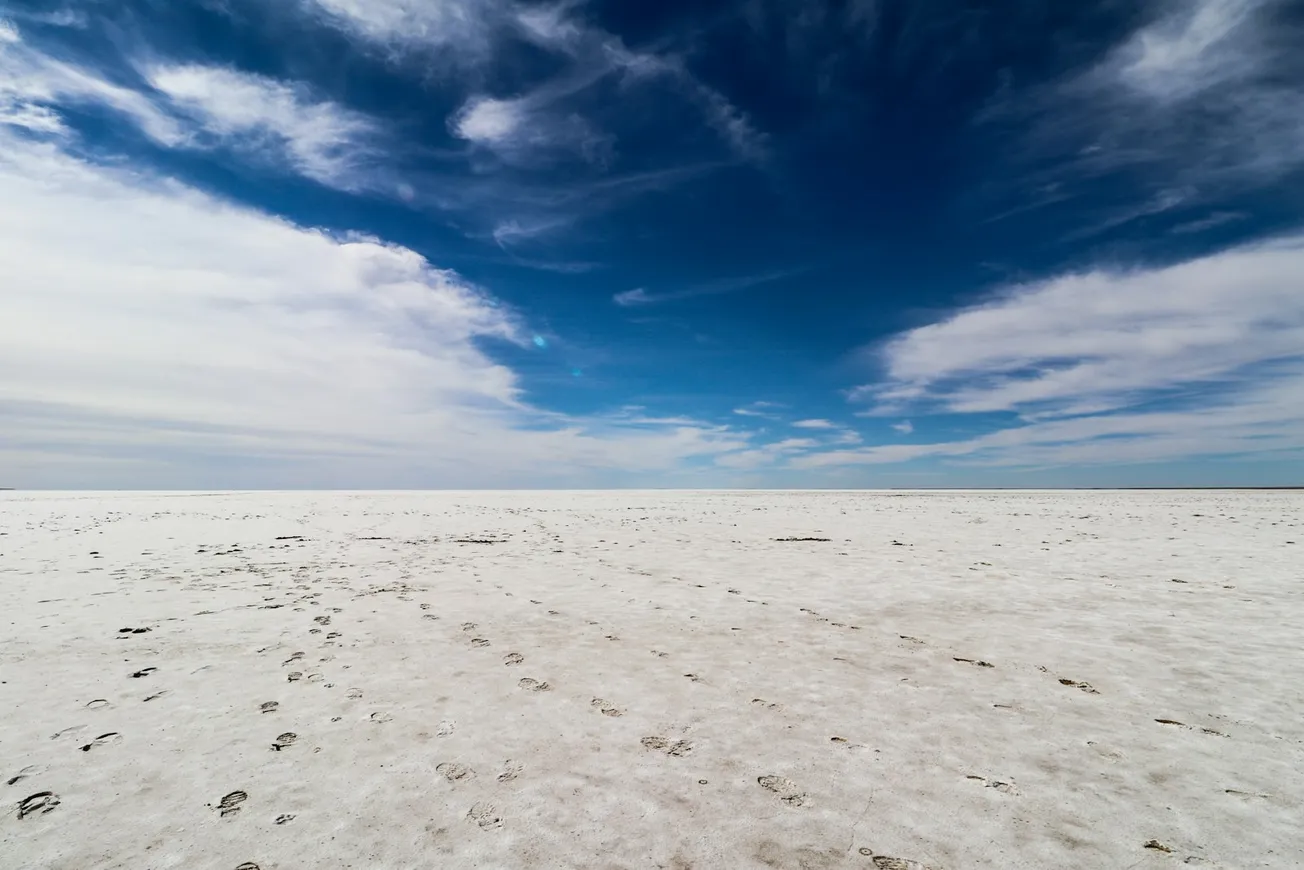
[761, 243]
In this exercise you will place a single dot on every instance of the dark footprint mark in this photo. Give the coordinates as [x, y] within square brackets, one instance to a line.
[694, 677]
[445, 728]
[29, 771]
[285, 740]
[97, 704]
[143, 672]
[454, 772]
[333, 635]
[468, 626]
[294, 676]
[294, 657]
[883, 862]
[133, 630]
[248, 865]
[1000, 785]
[42, 802]
[513, 659]
[764, 704]
[381, 716]
[485, 815]
[533, 685]
[479, 642]
[909, 638]
[511, 770]
[268, 706]
[230, 804]
[1190, 727]
[787, 790]
[353, 694]
[606, 707]
[73, 730]
[154, 696]
[322, 620]
[975, 662]
[284, 817]
[103, 740]
[1086, 687]
[678, 749]
[1157, 846]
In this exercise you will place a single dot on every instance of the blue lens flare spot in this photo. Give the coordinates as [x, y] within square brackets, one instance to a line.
[540, 341]
[575, 373]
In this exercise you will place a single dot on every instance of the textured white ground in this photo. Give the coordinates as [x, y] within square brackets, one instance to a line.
[688, 691]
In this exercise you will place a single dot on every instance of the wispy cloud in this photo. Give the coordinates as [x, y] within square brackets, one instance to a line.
[190, 340]
[815, 424]
[761, 409]
[35, 86]
[905, 427]
[1199, 101]
[1203, 357]
[1102, 340]
[268, 118]
[640, 296]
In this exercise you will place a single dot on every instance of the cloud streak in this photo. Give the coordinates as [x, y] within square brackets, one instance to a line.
[164, 335]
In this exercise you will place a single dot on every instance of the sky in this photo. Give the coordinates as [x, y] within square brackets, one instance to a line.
[724, 243]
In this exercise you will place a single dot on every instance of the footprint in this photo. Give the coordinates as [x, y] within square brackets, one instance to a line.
[285, 740]
[787, 790]
[284, 817]
[975, 662]
[381, 716]
[353, 694]
[248, 865]
[485, 815]
[143, 672]
[606, 707]
[230, 804]
[764, 704]
[26, 773]
[103, 740]
[468, 626]
[678, 749]
[883, 862]
[333, 635]
[454, 772]
[512, 659]
[294, 676]
[133, 630]
[533, 685]
[42, 802]
[1086, 687]
[294, 657]
[97, 704]
[694, 677]
[1157, 846]
[511, 770]
[72, 730]
[313, 678]
[1003, 786]
[322, 620]
[445, 728]
[154, 696]
[268, 706]
[479, 642]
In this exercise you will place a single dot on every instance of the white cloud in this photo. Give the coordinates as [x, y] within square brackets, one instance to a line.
[766, 455]
[1100, 340]
[251, 113]
[759, 409]
[33, 86]
[814, 424]
[629, 298]
[462, 27]
[1217, 343]
[905, 427]
[154, 335]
